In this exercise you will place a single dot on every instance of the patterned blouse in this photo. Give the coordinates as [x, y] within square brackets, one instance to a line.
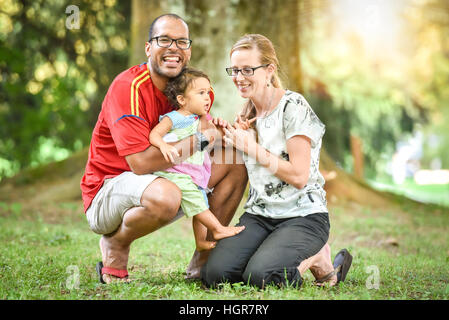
[269, 196]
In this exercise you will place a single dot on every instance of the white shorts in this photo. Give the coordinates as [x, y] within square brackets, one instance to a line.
[115, 197]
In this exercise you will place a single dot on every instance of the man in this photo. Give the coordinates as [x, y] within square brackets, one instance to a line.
[122, 199]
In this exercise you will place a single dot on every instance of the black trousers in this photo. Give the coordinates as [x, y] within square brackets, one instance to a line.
[268, 251]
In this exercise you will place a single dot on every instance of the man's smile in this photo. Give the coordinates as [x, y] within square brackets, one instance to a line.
[171, 60]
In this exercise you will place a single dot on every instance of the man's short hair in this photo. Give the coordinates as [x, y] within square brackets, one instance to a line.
[171, 15]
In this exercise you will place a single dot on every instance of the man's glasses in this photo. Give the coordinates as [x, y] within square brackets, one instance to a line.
[165, 42]
[247, 71]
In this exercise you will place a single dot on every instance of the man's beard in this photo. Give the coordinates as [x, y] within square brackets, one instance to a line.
[170, 74]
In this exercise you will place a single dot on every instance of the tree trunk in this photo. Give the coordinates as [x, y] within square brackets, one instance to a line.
[279, 21]
[357, 156]
[143, 12]
[288, 40]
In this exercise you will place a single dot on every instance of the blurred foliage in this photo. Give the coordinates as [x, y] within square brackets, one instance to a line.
[431, 23]
[52, 78]
[377, 94]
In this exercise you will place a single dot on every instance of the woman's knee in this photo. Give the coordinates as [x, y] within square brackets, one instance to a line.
[255, 276]
[218, 270]
[215, 272]
[260, 277]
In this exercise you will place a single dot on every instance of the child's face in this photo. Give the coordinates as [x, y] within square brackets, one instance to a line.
[196, 99]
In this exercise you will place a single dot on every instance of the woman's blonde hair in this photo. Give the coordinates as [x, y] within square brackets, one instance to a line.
[267, 56]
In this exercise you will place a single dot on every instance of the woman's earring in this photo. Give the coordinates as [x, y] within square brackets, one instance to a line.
[268, 84]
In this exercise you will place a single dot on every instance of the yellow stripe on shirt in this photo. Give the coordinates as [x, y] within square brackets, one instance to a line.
[137, 92]
[134, 91]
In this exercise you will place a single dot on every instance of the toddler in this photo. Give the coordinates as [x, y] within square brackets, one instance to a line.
[189, 92]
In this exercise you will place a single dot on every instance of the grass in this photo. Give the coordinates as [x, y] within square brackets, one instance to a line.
[432, 193]
[44, 251]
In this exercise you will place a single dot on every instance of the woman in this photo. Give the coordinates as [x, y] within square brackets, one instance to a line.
[286, 219]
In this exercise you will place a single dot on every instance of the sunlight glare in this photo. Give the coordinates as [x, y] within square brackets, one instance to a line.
[376, 23]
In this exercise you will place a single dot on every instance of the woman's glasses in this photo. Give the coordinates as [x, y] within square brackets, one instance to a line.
[247, 71]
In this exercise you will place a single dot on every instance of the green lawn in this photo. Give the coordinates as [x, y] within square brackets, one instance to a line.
[433, 193]
[44, 250]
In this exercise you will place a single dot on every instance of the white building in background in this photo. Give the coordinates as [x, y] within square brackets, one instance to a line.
[406, 160]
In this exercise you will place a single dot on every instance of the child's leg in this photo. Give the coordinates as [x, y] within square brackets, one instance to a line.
[200, 231]
[194, 200]
[219, 231]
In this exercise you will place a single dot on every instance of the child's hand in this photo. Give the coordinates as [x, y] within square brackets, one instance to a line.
[168, 151]
[244, 125]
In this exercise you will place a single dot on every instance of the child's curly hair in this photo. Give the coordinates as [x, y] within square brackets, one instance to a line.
[179, 84]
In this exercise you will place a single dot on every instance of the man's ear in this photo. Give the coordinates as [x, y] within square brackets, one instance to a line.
[181, 100]
[147, 49]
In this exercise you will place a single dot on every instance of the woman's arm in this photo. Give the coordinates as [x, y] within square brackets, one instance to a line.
[294, 171]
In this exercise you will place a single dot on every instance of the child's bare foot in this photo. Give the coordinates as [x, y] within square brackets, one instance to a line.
[225, 232]
[205, 245]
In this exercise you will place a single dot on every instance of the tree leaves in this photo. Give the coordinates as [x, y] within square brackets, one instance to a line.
[53, 79]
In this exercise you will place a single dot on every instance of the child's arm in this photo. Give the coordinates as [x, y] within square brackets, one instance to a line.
[160, 130]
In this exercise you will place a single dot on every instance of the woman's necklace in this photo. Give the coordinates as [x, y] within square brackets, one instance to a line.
[269, 105]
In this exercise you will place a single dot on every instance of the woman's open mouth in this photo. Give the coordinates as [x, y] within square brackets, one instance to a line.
[242, 87]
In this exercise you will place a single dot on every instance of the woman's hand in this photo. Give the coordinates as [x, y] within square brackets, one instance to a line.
[243, 124]
[240, 139]
[168, 151]
[220, 124]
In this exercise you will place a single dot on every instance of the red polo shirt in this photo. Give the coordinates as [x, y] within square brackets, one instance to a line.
[129, 112]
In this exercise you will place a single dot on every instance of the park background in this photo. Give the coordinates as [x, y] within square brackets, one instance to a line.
[376, 72]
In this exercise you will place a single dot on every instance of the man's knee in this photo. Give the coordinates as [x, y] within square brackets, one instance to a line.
[162, 200]
[240, 173]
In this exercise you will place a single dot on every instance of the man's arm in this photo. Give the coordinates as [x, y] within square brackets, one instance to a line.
[159, 131]
[151, 159]
[157, 140]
